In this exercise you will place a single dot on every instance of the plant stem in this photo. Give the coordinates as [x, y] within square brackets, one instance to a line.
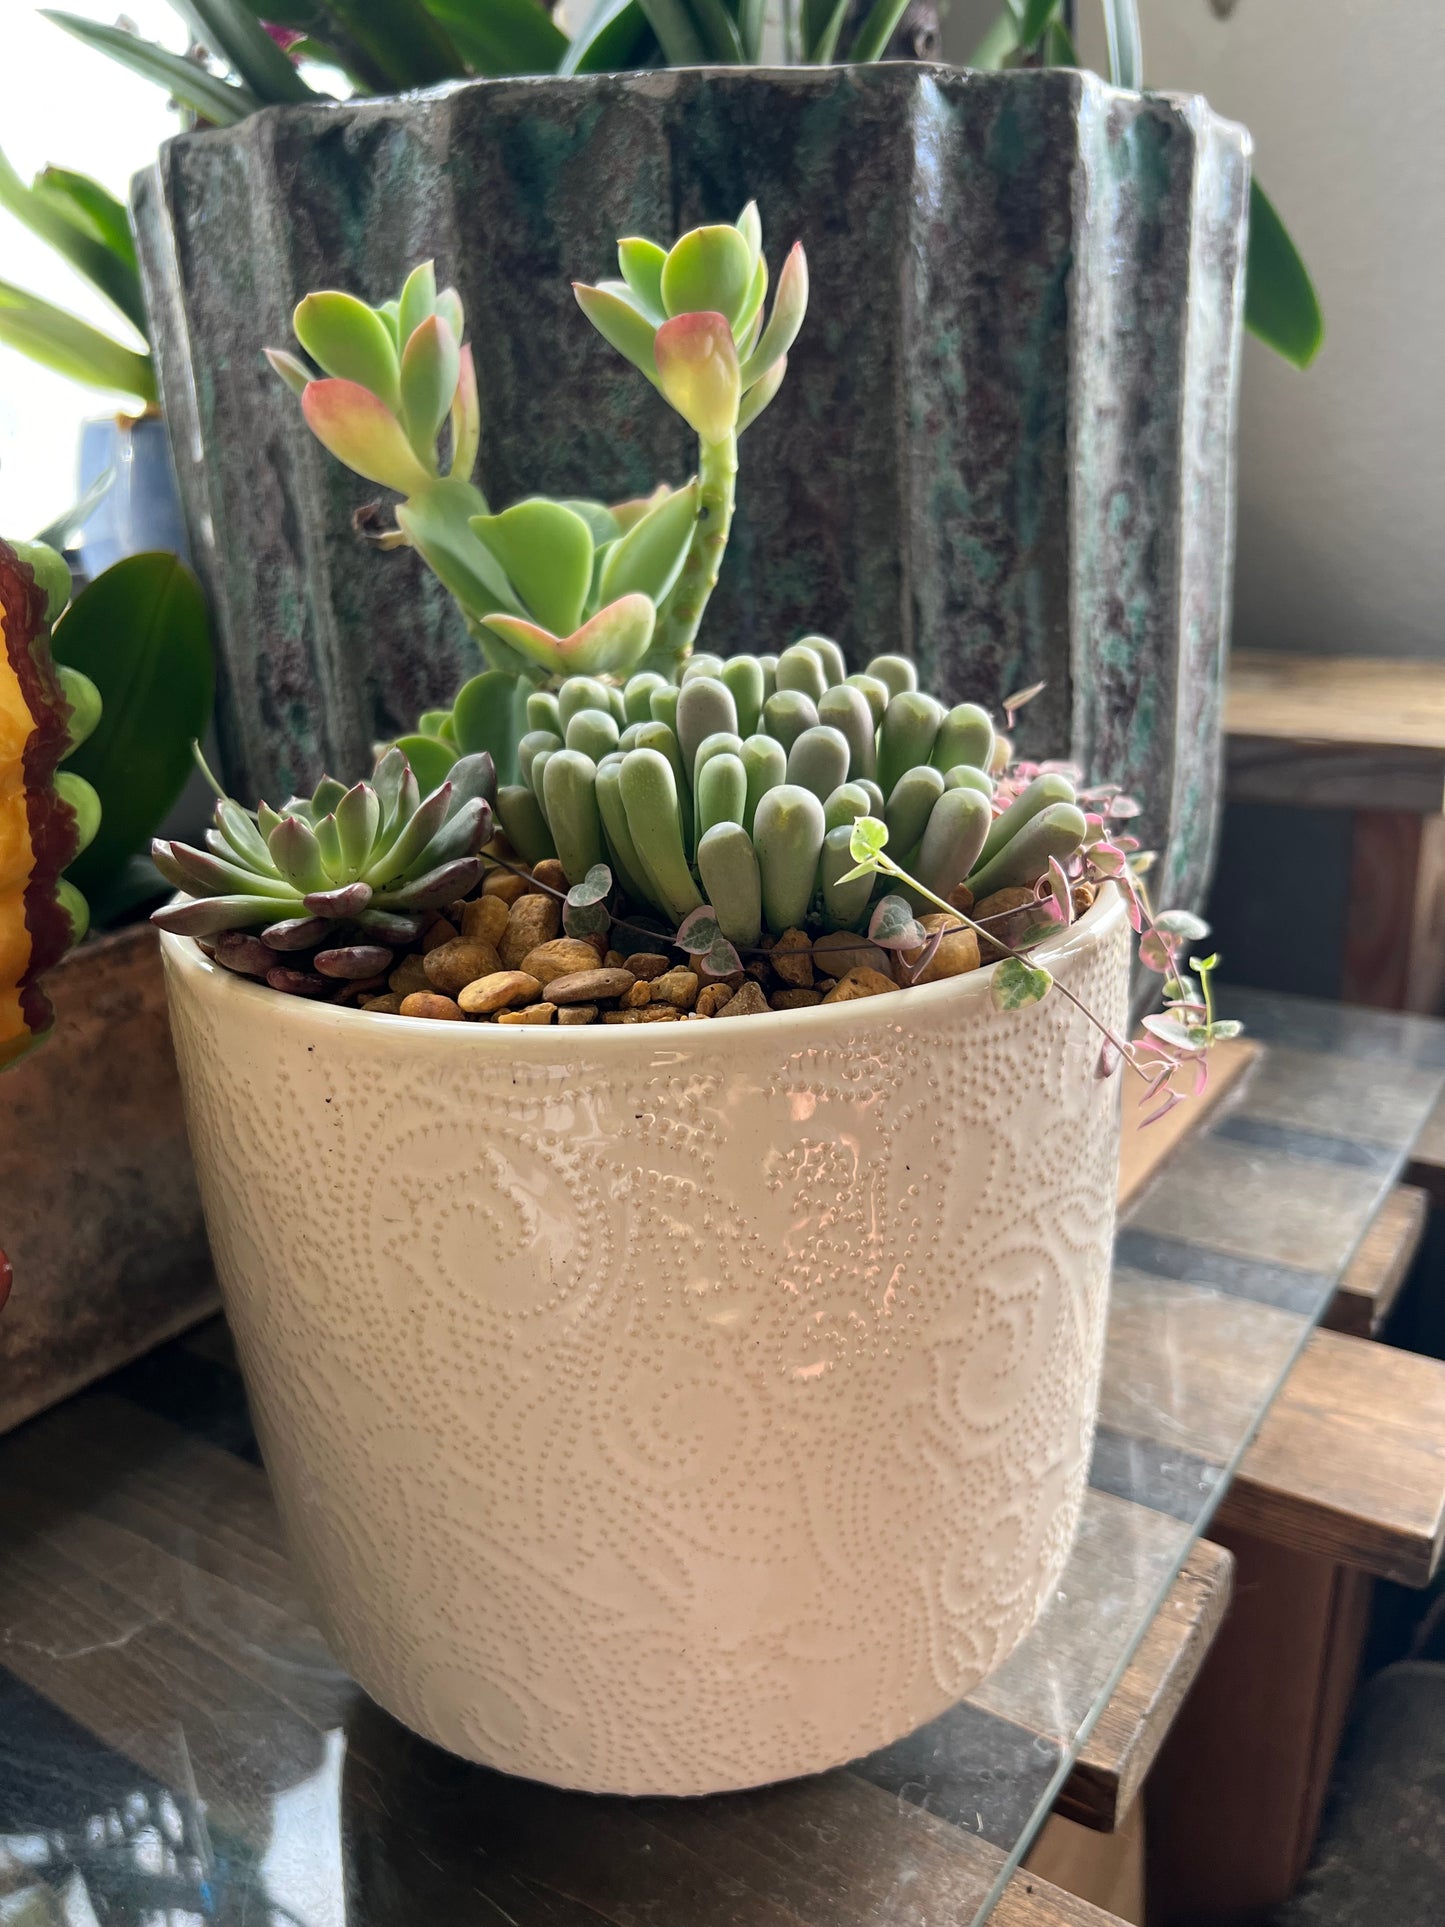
[680, 615]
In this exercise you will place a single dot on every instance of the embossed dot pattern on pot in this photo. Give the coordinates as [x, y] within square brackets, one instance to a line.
[667, 1409]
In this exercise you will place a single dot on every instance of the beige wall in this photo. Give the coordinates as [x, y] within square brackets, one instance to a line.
[1342, 469]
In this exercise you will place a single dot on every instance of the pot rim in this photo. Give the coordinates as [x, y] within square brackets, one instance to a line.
[791, 1027]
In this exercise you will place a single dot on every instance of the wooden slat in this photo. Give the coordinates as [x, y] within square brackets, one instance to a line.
[1394, 948]
[1116, 1757]
[1371, 1284]
[1362, 700]
[1350, 1461]
[1427, 1162]
[1144, 1148]
[1332, 776]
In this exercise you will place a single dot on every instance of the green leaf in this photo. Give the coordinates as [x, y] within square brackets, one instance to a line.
[232, 31]
[642, 263]
[1280, 303]
[1017, 984]
[141, 634]
[500, 37]
[751, 17]
[868, 840]
[57, 340]
[609, 40]
[697, 369]
[490, 713]
[546, 551]
[430, 365]
[719, 30]
[677, 33]
[215, 100]
[877, 30]
[822, 50]
[78, 218]
[1002, 39]
[398, 42]
[437, 522]
[1035, 20]
[1059, 48]
[613, 641]
[350, 341]
[708, 271]
[619, 323]
[648, 559]
[418, 303]
[430, 758]
[1126, 52]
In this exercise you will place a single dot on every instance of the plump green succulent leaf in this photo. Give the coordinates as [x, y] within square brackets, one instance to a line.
[546, 551]
[621, 324]
[599, 517]
[707, 271]
[490, 713]
[431, 364]
[648, 559]
[437, 522]
[418, 300]
[350, 341]
[763, 390]
[291, 368]
[790, 304]
[612, 641]
[642, 263]
[429, 756]
[697, 370]
[355, 426]
[749, 225]
[466, 415]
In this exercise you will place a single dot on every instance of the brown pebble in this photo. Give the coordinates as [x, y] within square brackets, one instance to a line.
[647, 964]
[549, 874]
[387, 1006]
[505, 884]
[452, 966]
[859, 983]
[747, 1002]
[621, 1016]
[427, 1003]
[635, 998]
[1083, 894]
[533, 921]
[561, 957]
[955, 955]
[796, 999]
[677, 987]
[961, 897]
[534, 1014]
[660, 1014]
[838, 952]
[711, 998]
[500, 991]
[614, 960]
[1008, 915]
[589, 986]
[577, 1014]
[409, 975]
[760, 970]
[484, 919]
[436, 934]
[792, 958]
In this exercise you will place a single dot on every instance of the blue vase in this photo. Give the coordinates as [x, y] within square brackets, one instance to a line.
[141, 510]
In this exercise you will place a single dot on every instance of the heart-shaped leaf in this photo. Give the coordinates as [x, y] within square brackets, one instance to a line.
[1017, 984]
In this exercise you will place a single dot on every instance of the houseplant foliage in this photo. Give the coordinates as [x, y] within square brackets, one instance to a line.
[47, 814]
[1280, 303]
[90, 230]
[548, 586]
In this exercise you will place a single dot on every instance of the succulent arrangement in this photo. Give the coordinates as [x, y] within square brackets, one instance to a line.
[606, 826]
[47, 815]
[549, 587]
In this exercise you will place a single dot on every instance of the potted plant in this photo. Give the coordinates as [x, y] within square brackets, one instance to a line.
[96, 1115]
[137, 509]
[667, 1242]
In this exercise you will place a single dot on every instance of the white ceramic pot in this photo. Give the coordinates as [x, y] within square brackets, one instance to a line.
[667, 1410]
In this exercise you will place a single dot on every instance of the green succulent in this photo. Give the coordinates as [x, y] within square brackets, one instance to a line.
[739, 786]
[369, 857]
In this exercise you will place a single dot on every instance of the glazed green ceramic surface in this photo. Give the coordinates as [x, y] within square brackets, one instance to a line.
[1005, 445]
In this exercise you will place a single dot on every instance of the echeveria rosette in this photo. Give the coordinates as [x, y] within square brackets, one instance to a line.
[370, 857]
[690, 317]
[547, 587]
[47, 815]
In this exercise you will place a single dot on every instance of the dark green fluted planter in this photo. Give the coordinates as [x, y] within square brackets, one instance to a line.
[1005, 444]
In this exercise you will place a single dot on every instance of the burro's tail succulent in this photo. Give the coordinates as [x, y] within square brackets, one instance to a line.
[739, 788]
[556, 587]
[47, 815]
[363, 862]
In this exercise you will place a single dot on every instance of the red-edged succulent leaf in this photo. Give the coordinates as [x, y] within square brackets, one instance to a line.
[697, 370]
[361, 431]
